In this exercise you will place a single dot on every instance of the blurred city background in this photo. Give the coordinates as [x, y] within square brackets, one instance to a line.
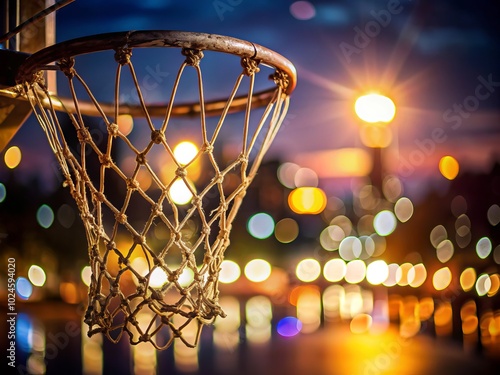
[368, 243]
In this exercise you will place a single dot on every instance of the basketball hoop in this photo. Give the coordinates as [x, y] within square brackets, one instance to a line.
[142, 242]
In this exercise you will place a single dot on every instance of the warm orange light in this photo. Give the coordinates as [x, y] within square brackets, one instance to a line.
[375, 136]
[448, 166]
[375, 108]
[69, 293]
[344, 162]
[468, 279]
[125, 123]
[307, 200]
[426, 308]
[495, 285]
[361, 323]
[469, 324]
[12, 157]
[402, 274]
[417, 275]
[442, 278]
[443, 318]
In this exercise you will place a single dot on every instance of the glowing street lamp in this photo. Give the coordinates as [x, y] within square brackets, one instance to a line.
[375, 108]
[376, 111]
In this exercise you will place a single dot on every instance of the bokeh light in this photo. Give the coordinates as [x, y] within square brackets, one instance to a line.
[180, 192]
[306, 177]
[417, 275]
[286, 230]
[391, 278]
[3, 192]
[403, 209]
[384, 223]
[402, 274]
[229, 272]
[308, 270]
[158, 278]
[438, 234]
[496, 254]
[375, 108]
[36, 275]
[309, 309]
[260, 225]
[45, 216]
[355, 271]
[392, 188]
[66, 215]
[86, 275]
[289, 326]
[125, 123]
[483, 284]
[483, 247]
[468, 279]
[361, 323]
[442, 278]
[302, 10]
[185, 152]
[24, 288]
[331, 237]
[257, 270]
[286, 174]
[350, 248]
[493, 214]
[186, 277]
[12, 157]
[377, 272]
[307, 200]
[334, 270]
[449, 168]
[444, 251]
[495, 285]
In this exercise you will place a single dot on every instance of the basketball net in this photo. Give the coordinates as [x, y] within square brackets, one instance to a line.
[155, 262]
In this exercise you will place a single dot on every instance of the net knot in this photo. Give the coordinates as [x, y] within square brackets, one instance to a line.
[193, 56]
[139, 240]
[121, 218]
[250, 66]
[280, 79]
[207, 148]
[205, 231]
[156, 209]
[132, 184]
[67, 66]
[141, 158]
[83, 135]
[181, 172]
[145, 337]
[113, 129]
[219, 178]
[105, 160]
[243, 159]
[173, 276]
[123, 55]
[157, 136]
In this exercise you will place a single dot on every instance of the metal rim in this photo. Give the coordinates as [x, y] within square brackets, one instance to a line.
[163, 38]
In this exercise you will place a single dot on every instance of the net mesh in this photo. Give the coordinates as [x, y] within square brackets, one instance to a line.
[155, 257]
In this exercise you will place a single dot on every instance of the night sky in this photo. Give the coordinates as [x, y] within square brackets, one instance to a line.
[428, 56]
